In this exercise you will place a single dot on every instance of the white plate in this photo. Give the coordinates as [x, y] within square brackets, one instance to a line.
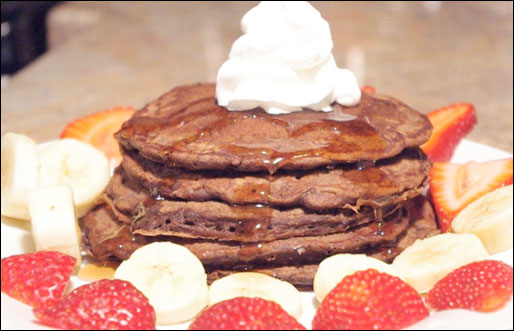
[16, 239]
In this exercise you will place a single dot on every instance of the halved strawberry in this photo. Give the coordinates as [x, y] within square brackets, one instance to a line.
[481, 286]
[454, 186]
[450, 124]
[98, 130]
[37, 279]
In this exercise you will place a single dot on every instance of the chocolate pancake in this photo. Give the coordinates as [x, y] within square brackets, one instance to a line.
[108, 238]
[151, 216]
[186, 128]
[386, 182]
[422, 225]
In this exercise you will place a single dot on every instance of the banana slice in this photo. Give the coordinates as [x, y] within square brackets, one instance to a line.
[490, 219]
[253, 284]
[171, 277]
[53, 220]
[428, 260]
[333, 269]
[19, 174]
[77, 164]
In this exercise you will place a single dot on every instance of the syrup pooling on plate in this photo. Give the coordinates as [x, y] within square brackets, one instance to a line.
[95, 271]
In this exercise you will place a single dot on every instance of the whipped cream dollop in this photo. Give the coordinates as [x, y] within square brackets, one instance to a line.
[283, 63]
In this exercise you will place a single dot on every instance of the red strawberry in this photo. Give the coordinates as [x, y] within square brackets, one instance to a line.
[482, 286]
[245, 314]
[98, 129]
[450, 124]
[37, 279]
[103, 305]
[370, 300]
[454, 186]
[368, 89]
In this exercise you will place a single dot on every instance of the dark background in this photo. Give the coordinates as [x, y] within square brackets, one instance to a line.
[23, 32]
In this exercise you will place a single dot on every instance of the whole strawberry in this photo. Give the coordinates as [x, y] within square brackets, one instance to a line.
[482, 286]
[370, 300]
[245, 314]
[102, 305]
[37, 279]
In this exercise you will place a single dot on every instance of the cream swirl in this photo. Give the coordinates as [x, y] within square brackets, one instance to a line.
[283, 63]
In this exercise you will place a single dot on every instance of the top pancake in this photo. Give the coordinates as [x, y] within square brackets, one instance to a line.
[186, 128]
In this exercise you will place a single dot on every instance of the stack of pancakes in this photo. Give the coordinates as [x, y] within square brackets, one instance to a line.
[270, 193]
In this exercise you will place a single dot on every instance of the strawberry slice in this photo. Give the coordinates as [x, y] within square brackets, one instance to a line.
[370, 300]
[481, 286]
[37, 279]
[454, 186]
[450, 124]
[103, 305]
[98, 130]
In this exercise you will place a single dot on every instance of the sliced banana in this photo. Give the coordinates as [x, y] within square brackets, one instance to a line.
[171, 277]
[490, 219]
[19, 174]
[77, 164]
[428, 260]
[333, 269]
[253, 284]
[53, 220]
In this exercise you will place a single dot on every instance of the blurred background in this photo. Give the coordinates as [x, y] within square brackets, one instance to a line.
[23, 32]
[62, 60]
